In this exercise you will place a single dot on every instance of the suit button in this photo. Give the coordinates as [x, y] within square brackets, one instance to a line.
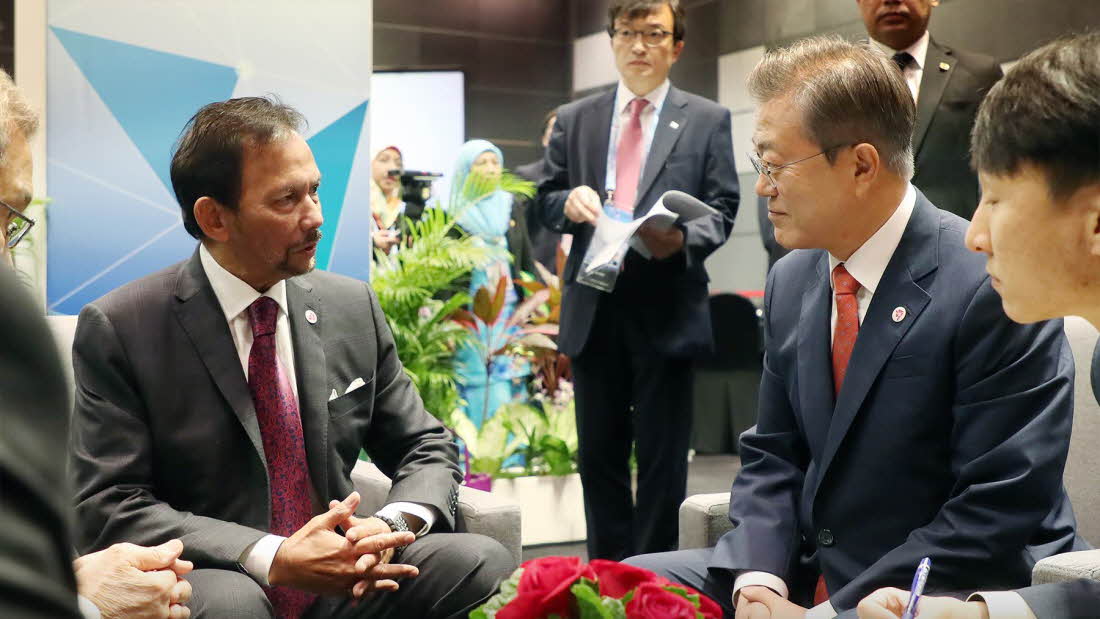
[825, 538]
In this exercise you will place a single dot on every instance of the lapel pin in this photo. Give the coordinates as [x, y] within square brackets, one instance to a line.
[311, 317]
[674, 124]
[944, 66]
[899, 314]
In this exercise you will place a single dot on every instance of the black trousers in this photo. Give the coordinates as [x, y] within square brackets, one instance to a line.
[628, 395]
[458, 572]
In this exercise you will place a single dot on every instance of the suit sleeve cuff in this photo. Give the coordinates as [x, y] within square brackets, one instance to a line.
[1003, 604]
[763, 579]
[428, 513]
[257, 559]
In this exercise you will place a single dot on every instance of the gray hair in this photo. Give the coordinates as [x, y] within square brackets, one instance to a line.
[14, 109]
[848, 93]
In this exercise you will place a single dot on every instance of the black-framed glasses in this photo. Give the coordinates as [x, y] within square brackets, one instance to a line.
[17, 225]
[651, 38]
[767, 169]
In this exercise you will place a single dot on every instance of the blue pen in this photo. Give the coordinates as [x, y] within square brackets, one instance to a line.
[917, 588]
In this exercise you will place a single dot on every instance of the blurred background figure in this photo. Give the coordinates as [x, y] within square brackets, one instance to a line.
[947, 84]
[490, 213]
[385, 198]
[544, 241]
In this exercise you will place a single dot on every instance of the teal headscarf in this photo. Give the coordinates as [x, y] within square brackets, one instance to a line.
[490, 216]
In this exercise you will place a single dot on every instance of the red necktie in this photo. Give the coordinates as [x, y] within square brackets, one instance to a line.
[845, 288]
[847, 323]
[284, 444]
[628, 158]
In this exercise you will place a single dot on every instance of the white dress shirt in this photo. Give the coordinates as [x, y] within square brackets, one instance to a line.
[650, 114]
[915, 71]
[235, 296]
[866, 265]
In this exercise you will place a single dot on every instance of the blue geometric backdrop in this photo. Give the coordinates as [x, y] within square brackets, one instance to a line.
[115, 109]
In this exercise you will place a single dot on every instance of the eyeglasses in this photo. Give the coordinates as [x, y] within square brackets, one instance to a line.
[17, 225]
[767, 169]
[651, 38]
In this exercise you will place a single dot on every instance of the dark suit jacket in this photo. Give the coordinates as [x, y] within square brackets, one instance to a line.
[946, 107]
[165, 438]
[947, 440]
[695, 157]
[36, 571]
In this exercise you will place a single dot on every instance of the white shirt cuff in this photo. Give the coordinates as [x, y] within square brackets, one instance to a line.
[823, 610]
[1003, 604]
[763, 579]
[258, 559]
[87, 609]
[427, 513]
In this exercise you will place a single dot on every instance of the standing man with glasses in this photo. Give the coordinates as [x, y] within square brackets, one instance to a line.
[632, 348]
[902, 414]
[948, 85]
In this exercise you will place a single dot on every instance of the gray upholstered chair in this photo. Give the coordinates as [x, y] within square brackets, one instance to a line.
[703, 517]
[483, 512]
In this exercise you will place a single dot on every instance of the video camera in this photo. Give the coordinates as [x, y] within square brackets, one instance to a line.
[416, 189]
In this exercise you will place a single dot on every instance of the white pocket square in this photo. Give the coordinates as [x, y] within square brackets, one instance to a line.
[355, 384]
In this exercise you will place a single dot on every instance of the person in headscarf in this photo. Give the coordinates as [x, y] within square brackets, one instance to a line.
[385, 198]
[485, 211]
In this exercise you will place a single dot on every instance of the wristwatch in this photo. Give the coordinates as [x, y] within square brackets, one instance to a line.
[397, 524]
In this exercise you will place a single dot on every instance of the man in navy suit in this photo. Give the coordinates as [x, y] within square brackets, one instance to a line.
[1036, 147]
[902, 414]
[632, 349]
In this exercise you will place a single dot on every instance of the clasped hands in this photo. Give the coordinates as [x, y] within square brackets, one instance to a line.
[318, 559]
[583, 206]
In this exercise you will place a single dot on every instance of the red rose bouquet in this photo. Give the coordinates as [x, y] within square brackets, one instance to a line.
[565, 588]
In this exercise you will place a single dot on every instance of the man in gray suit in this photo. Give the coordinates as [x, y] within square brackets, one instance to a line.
[947, 85]
[632, 348]
[1036, 147]
[224, 401]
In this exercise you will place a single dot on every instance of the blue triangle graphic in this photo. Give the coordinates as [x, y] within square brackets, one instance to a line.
[150, 93]
[334, 150]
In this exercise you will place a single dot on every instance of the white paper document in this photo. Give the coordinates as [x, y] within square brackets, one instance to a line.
[611, 239]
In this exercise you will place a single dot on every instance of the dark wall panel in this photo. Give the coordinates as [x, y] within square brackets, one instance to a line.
[516, 56]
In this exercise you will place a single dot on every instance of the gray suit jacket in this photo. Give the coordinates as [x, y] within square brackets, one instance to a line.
[36, 572]
[165, 441]
[946, 107]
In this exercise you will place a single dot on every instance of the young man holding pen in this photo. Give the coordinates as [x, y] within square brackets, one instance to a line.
[1036, 146]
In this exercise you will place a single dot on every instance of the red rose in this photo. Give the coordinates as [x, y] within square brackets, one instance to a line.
[544, 588]
[652, 601]
[618, 579]
[707, 606]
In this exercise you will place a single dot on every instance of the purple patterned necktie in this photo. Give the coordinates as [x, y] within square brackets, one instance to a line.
[284, 444]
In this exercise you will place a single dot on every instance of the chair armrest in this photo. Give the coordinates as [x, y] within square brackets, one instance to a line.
[703, 519]
[484, 513]
[1067, 566]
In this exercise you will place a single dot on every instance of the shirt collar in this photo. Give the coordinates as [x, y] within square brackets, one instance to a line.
[233, 294]
[656, 97]
[869, 262]
[918, 50]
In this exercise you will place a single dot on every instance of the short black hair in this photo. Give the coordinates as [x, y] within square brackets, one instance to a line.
[209, 155]
[1045, 112]
[633, 9]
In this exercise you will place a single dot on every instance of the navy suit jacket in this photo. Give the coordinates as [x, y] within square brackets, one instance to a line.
[947, 440]
[692, 151]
